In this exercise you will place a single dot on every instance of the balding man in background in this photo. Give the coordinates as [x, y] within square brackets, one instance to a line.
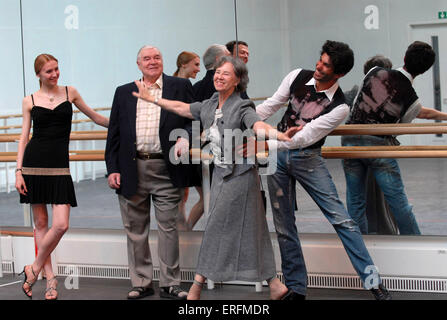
[204, 88]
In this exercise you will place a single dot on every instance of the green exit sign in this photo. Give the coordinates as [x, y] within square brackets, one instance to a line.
[442, 15]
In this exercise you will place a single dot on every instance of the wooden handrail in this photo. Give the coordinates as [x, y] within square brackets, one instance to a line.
[327, 152]
[347, 129]
[384, 154]
[7, 158]
[17, 126]
[356, 129]
[16, 233]
[9, 137]
[74, 156]
[10, 116]
[96, 109]
[384, 148]
[361, 152]
[13, 116]
[75, 135]
[99, 135]
[390, 129]
[19, 115]
[9, 153]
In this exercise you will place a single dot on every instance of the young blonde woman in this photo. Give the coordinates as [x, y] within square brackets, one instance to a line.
[43, 174]
[188, 65]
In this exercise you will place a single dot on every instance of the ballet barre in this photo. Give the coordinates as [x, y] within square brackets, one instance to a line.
[346, 129]
[360, 152]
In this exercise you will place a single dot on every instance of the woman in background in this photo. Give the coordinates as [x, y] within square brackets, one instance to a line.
[188, 65]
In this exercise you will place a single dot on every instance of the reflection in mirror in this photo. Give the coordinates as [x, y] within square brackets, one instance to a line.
[96, 45]
[292, 34]
[11, 93]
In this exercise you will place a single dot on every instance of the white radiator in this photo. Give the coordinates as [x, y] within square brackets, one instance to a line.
[411, 264]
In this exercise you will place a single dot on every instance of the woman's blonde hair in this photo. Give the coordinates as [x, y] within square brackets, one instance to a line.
[184, 58]
[40, 61]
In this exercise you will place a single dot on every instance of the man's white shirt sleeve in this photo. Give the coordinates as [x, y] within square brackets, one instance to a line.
[279, 98]
[412, 112]
[313, 131]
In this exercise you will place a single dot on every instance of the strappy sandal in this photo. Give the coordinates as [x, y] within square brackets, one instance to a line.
[51, 284]
[29, 292]
[198, 283]
[140, 292]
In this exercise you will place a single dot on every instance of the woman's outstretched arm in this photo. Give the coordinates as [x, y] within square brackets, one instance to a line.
[178, 107]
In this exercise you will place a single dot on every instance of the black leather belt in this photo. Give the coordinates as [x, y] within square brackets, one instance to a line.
[148, 155]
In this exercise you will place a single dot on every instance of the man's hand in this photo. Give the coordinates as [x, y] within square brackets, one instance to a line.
[114, 180]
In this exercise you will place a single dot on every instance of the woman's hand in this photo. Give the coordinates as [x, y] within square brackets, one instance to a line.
[292, 130]
[20, 184]
[252, 147]
[181, 148]
[174, 106]
[143, 93]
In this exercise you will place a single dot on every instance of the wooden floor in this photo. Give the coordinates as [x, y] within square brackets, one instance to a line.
[109, 289]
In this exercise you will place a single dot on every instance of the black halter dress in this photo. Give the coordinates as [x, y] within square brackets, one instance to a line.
[46, 168]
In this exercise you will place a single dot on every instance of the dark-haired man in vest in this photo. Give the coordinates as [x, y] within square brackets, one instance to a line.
[386, 96]
[316, 102]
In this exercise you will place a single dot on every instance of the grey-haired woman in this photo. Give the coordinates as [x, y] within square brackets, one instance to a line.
[236, 243]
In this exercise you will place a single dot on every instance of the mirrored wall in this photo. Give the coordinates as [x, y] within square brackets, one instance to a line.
[96, 43]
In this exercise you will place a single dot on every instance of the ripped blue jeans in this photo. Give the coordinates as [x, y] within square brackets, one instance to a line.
[309, 168]
[387, 174]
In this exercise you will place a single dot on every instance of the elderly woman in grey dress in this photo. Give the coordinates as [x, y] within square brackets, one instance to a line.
[236, 243]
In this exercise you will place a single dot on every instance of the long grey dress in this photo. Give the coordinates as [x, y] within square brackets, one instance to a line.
[236, 243]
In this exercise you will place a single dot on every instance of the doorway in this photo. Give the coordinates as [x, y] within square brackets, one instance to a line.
[431, 87]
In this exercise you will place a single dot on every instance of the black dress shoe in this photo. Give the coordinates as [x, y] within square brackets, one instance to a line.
[292, 295]
[381, 293]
